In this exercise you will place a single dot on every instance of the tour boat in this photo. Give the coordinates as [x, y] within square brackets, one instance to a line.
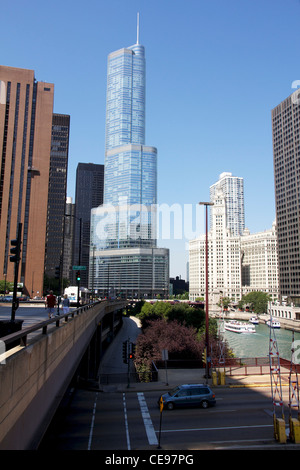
[273, 323]
[239, 327]
[254, 320]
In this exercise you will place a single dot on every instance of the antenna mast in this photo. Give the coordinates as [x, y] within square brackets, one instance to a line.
[138, 29]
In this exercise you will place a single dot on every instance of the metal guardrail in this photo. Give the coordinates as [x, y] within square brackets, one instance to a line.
[57, 319]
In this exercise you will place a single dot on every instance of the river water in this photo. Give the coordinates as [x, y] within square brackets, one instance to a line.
[257, 344]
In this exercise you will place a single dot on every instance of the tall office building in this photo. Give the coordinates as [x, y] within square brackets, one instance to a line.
[237, 264]
[233, 190]
[26, 108]
[57, 193]
[125, 257]
[286, 159]
[224, 258]
[89, 194]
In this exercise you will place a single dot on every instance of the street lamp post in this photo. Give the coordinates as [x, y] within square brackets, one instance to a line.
[206, 204]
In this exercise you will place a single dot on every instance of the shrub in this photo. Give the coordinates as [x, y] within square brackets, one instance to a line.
[180, 341]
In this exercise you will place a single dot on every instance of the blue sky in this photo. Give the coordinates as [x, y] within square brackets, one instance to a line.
[215, 70]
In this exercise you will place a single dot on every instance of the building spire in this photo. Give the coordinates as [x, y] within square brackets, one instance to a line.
[138, 29]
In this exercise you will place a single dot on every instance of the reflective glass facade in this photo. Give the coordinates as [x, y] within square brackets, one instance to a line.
[125, 225]
[130, 166]
[125, 98]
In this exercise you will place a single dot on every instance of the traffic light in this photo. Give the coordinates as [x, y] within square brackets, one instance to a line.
[131, 350]
[125, 352]
[15, 250]
[78, 276]
[57, 272]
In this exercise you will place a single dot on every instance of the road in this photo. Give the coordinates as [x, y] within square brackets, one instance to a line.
[130, 420]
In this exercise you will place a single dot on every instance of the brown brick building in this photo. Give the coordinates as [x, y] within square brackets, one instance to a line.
[26, 108]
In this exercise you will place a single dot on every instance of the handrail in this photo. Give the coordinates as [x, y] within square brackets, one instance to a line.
[22, 334]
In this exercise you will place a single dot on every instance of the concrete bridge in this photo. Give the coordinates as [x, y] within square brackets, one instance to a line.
[35, 374]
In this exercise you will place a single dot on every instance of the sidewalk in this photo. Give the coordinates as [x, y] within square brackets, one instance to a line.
[175, 377]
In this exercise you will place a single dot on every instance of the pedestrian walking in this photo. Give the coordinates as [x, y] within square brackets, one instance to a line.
[50, 303]
[66, 304]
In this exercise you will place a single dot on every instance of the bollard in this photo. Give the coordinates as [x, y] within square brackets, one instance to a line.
[279, 431]
[294, 430]
[221, 379]
[214, 378]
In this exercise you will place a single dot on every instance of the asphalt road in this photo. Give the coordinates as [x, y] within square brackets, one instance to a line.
[241, 419]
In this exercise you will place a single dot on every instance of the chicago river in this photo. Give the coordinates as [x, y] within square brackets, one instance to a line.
[257, 344]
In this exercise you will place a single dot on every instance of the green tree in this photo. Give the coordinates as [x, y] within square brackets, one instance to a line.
[150, 312]
[9, 286]
[257, 301]
[180, 312]
[187, 315]
[225, 301]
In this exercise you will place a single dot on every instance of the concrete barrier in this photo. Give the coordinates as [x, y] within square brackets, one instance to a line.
[33, 379]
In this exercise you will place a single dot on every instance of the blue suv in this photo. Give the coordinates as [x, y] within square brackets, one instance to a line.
[188, 395]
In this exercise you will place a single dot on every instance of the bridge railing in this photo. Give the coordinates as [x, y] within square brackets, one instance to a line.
[34, 377]
[22, 336]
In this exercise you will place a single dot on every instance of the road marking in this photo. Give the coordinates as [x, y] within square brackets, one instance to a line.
[256, 446]
[152, 439]
[126, 422]
[93, 422]
[240, 441]
[219, 428]
[269, 412]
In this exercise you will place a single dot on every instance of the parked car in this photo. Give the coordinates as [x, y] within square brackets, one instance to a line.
[188, 395]
[7, 298]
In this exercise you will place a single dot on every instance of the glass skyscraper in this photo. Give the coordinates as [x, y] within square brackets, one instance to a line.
[123, 230]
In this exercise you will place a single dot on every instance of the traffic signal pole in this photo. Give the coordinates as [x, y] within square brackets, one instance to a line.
[128, 355]
[15, 258]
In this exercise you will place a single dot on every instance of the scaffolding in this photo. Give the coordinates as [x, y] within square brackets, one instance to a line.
[221, 343]
[294, 423]
[293, 382]
[218, 374]
[276, 387]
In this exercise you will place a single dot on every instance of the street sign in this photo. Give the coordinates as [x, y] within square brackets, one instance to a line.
[161, 404]
[165, 355]
[79, 268]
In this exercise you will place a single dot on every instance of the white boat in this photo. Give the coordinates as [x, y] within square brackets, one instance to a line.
[239, 327]
[254, 320]
[273, 323]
